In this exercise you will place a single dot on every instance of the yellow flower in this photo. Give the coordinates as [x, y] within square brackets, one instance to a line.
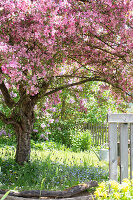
[114, 185]
[104, 194]
[124, 187]
[126, 180]
[97, 193]
[117, 195]
[102, 185]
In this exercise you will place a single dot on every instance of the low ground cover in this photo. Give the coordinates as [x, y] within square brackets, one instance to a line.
[52, 167]
[123, 191]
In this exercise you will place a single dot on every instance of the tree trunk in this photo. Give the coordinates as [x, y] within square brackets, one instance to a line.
[63, 107]
[23, 147]
[23, 131]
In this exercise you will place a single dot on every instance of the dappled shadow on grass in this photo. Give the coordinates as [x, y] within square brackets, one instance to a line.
[46, 174]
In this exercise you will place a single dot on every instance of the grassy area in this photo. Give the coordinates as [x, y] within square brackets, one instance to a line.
[52, 167]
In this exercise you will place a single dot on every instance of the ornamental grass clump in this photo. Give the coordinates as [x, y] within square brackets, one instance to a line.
[113, 190]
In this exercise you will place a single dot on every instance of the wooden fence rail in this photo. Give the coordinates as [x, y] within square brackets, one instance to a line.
[122, 121]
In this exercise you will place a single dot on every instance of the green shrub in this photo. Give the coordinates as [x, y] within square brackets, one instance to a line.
[35, 145]
[81, 140]
[47, 145]
[61, 131]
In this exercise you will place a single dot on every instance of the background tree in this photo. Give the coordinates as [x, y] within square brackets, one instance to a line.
[78, 107]
[47, 46]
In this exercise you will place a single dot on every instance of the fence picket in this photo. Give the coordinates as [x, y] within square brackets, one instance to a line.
[126, 133]
[113, 151]
[131, 151]
[123, 151]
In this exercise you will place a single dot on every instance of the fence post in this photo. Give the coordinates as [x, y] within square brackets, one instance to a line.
[131, 151]
[123, 151]
[113, 151]
[113, 120]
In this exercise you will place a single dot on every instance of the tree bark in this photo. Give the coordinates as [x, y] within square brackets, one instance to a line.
[63, 107]
[23, 130]
[70, 192]
[23, 146]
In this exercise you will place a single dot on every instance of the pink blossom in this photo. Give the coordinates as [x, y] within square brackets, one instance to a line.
[48, 133]
[35, 107]
[53, 109]
[9, 135]
[2, 132]
[51, 120]
[5, 69]
[35, 130]
[13, 94]
[42, 136]
[57, 120]
[43, 125]
[45, 44]
[71, 100]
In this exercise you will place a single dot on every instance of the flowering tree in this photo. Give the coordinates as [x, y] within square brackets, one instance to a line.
[49, 45]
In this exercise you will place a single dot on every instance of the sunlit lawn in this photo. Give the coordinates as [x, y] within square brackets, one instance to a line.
[51, 168]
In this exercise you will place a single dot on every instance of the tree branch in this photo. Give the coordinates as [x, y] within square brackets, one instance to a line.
[97, 78]
[100, 38]
[3, 117]
[105, 50]
[9, 120]
[92, 62]
[70, 76]
[119, 88]
[8, 100]
[22, 90]
[41, 93]
[72, 84]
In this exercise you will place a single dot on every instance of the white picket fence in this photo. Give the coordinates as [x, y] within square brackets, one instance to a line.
[123, 121]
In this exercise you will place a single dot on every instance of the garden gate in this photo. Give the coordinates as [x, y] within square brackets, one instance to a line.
[123, 121]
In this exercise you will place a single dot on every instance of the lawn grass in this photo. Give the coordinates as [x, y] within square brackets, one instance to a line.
[52, 167]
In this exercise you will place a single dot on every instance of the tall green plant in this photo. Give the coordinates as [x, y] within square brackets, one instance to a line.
[80, 140]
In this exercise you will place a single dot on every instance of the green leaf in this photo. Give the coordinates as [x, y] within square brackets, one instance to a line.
[5, 195]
